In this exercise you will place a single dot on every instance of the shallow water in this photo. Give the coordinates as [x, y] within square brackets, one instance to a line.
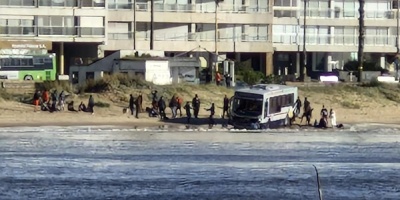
[361, 162]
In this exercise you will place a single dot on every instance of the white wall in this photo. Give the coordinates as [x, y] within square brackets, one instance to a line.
[158, 72]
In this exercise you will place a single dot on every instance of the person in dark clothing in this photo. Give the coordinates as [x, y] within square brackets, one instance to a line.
[324, 114]
[188, 113]
[82, 107]
[91, 104]
[36, 100]
[226, 107]
[173, 104]
[54, 100]
[154, 98]
[298, 106]
[228, 80]
[161, 107]
[307, 105]
[196, 106]
[137, 106]
[140, 102]
[212, 113]
[180, 102]
[70, 107]
[131, 103]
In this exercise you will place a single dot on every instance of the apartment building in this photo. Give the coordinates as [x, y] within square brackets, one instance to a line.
[331, 33]
[91, 28]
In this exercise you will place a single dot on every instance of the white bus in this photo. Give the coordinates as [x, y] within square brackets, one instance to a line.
[263, 106]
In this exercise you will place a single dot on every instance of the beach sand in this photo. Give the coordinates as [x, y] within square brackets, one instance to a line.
[20, 114]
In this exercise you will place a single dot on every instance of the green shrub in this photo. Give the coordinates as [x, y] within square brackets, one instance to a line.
[58, 85]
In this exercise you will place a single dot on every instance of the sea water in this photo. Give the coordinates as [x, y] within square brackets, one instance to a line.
[104, 162]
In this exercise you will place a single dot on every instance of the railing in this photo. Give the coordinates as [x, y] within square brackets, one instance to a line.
[17, 30]
[47, 30]
[64, 3]
[53, 3]
[17, 3]
[321, 39]
[295, 12]
[204, 37]
[197, 8]
[120, 36]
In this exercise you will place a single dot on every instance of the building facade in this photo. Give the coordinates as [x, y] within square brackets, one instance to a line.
[269, 32]
[332, 30]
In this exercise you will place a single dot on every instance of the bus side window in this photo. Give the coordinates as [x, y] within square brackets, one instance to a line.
[30, 62]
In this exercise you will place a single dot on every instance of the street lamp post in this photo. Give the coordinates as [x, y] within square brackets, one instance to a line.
[361, 40]
[302, 74]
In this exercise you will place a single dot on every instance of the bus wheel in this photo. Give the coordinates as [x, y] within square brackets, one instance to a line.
[28, 78]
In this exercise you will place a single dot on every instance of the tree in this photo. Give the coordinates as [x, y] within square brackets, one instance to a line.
[361, 39]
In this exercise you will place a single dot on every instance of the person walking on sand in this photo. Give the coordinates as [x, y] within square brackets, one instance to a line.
[91, 104]
[332, 116]
[188, 113]
[307, 105]
[161, 107]
[131, 103]
[196, 106]
[54, 100]
[211, 117]
[36, 99]
[324, 114]
[226, 107]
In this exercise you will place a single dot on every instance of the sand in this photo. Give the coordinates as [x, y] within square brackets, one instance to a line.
[19, 114]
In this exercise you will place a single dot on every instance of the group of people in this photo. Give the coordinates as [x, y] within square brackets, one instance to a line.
[176, 103]
[227, 78]
[55, 102]
[326, 117]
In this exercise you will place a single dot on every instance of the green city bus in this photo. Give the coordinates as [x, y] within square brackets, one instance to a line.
[28, 67]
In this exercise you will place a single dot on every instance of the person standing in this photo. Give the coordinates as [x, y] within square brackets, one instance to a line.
[91, 104]
[140, 102]
[161, 107]
[324, 114]
[131, 103]
[173, 104]
[180, 102]
[307, 105]
[188, 113]
[298, 106]
[332, 116]
[36, 99]
[54, 100]
[225, 107]
[218, 78]
[212, 113]
[137, 107]
[61, 101]
[228, 80]
[196, 106]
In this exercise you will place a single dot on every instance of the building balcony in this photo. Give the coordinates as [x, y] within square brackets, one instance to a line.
[186, 41]
[188, 8]
[52, 3]
[333, 43]
[62, 33]
[298, 12]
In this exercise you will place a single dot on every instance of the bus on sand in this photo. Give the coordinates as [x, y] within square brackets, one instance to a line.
[263, 106]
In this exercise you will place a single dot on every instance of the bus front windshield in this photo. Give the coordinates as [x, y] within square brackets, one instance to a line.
[247, 107]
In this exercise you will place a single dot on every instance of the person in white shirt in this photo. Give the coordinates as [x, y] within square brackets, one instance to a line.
[332, 116]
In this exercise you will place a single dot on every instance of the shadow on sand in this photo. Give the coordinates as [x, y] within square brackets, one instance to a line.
[218, 122]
